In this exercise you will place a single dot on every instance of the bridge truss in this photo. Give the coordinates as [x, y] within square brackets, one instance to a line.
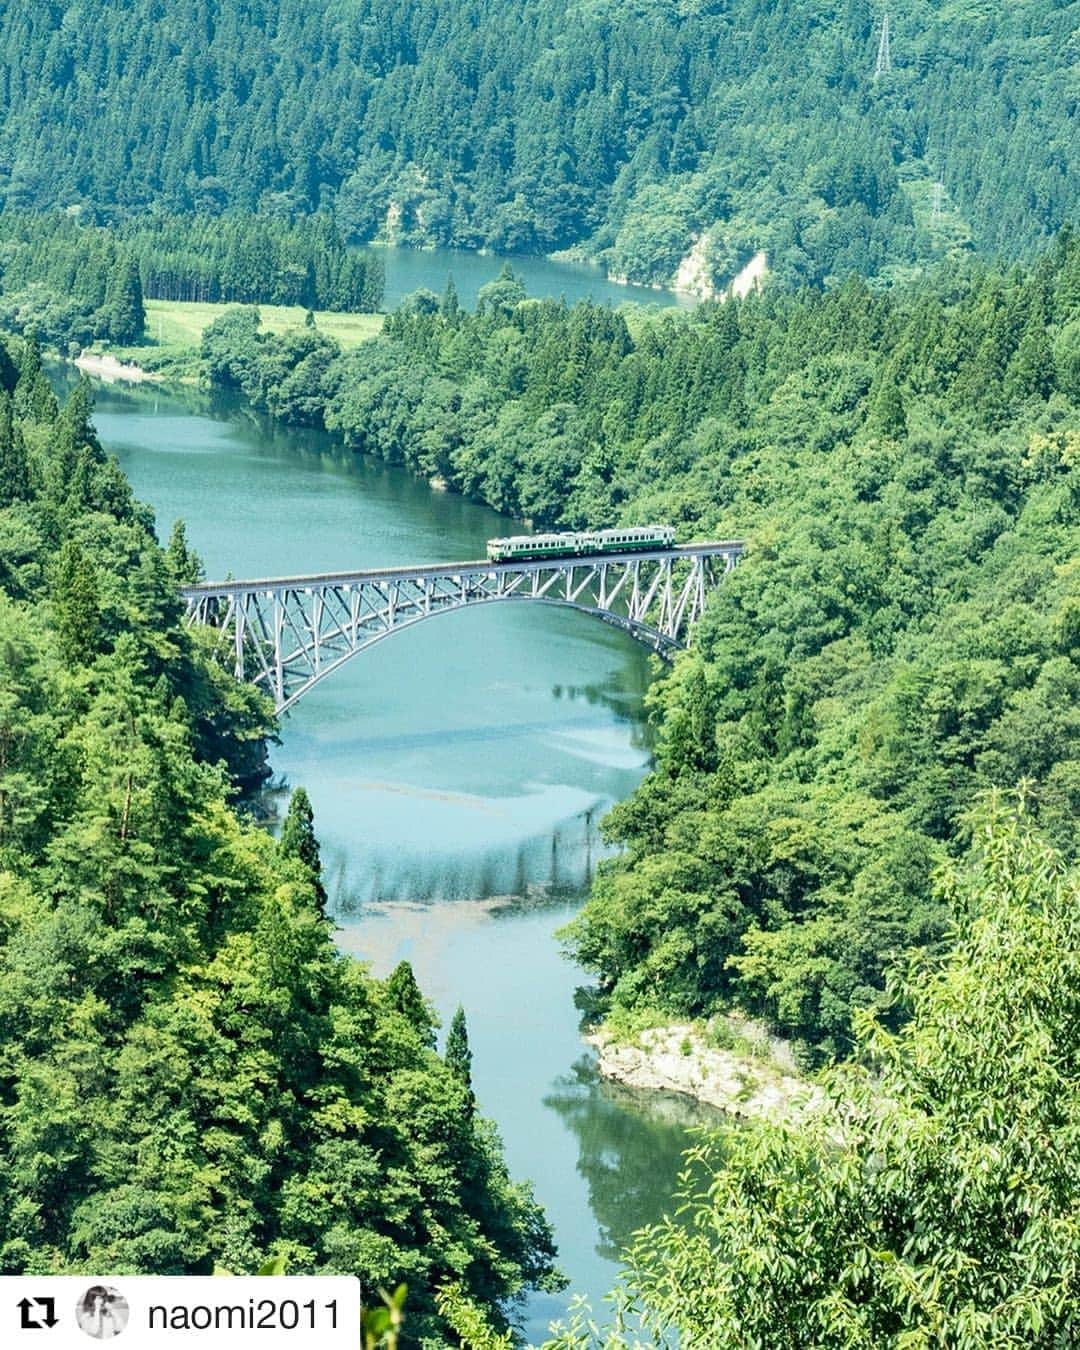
[286, 634]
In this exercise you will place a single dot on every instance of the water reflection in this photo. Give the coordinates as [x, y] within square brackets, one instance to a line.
[411, 269]
[622, 693]
[553, 865]
[629, 1147]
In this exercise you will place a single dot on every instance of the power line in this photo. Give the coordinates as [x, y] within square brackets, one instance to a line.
[884, 55]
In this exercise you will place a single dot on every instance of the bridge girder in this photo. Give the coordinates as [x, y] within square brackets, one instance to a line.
[286, 634]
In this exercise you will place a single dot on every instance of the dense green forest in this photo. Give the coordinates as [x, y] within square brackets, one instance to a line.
[901, 635]
[252, 260]
[66, 286]
[860, 826]
[936, 1203]
[630, 129]
[190, 1072]
[70, 282]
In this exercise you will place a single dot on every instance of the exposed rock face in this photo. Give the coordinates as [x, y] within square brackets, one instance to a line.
[677, 1058]
[391, 230]
[751, 276]
[694, 275]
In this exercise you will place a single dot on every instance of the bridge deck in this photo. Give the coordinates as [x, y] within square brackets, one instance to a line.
[481, 565]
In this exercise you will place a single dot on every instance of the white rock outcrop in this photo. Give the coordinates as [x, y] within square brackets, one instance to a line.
[677, 1058]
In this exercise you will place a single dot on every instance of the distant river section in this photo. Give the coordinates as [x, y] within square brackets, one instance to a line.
[412, 269]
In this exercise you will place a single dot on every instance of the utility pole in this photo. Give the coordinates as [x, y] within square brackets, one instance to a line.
[884, 56]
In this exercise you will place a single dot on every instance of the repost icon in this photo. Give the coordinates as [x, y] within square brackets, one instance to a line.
[36, 1314]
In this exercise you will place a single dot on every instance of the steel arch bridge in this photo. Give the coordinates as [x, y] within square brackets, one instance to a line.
[285, 634]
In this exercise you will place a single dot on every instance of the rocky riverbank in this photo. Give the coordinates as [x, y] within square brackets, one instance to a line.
[754, 1080]
[110, 368]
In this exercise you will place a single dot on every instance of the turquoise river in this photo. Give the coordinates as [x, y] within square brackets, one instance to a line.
[458, 773]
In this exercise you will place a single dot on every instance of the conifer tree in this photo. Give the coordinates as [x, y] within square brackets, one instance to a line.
[889, 415]
[76, 604]
[1067, 360]
[9, 371]
[75, 417]
[1031, 370]
[457, 1055]
[123, 315]
[450, 306]
[372, 290]
[74, 450]
[298, 839]
[403, 994]
[34, 398]
[184, 563]
[501, 295]
[14, 463]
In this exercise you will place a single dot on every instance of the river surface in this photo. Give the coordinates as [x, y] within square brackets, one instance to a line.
[457, 774]
[410, 269]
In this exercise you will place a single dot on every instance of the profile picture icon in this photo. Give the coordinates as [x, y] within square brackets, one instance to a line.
[102, 1312]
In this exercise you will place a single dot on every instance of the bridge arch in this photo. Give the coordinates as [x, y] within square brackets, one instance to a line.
[287, 634]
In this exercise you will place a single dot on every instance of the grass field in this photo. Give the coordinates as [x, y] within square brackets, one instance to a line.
[174, 328]
[175, 323]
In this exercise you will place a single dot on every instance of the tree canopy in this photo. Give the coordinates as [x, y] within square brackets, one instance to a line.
[935, 1202]
[632, 131]
[191, 1072]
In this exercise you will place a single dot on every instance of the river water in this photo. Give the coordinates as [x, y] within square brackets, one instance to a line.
[457, 775]
[410, 269]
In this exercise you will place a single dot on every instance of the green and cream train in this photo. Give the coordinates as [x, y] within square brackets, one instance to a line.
[571, 543]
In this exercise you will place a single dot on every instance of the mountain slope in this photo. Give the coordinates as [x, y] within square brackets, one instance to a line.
[632, 129]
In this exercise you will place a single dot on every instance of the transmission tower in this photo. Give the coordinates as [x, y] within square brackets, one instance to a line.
[884, 57]
[935, 213]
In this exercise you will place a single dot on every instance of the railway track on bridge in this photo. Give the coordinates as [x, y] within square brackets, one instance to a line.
[287, 633]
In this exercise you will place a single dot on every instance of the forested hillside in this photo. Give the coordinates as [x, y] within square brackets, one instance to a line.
[902, 634]
[936, 1202]
[71, 282]
[190, 1072]
[631, 128]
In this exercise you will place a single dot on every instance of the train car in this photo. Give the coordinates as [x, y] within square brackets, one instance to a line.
[571, 543]
[631, 537]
